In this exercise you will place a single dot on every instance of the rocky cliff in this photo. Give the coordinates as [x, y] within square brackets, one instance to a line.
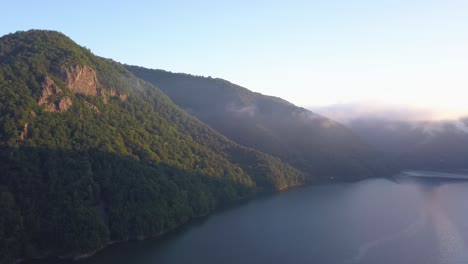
[80, 79]
[53, 98]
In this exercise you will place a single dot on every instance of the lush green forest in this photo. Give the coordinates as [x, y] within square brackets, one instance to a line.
[320, 147]
[89, 154]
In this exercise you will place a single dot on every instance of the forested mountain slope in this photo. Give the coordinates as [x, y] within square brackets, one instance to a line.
[89, 153]
[318, 146]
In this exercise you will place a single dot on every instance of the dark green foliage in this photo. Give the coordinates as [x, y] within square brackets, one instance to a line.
[124, 165]
[319, 147]
[11, 227]
[56, 194]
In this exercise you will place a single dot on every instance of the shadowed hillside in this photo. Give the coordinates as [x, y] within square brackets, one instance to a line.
[320, 147]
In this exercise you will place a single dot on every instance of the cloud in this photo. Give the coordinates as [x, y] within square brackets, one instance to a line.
[383, 111]
[246, 110]
[307, 116]
[328, 123]
[310, 117]
[461, 126]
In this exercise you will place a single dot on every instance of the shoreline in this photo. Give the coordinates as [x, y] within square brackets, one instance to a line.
[230, 204]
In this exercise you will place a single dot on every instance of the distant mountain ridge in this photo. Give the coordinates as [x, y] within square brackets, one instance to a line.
[318, 146]
[407, 135]
[436, 145]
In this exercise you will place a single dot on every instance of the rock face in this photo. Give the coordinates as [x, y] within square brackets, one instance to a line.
[123, 97]
[64, 104]
[91, 106]
[80, 79]
[113, 92]
[52, 97]
[24, 133]
[49, 89]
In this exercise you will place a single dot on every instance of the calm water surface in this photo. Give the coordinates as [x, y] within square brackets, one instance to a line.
[400, 220]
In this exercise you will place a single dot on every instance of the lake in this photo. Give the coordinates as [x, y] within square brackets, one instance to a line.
[399, 220]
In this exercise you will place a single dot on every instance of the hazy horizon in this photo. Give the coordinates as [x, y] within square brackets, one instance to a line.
[307, 52]
[349, 111]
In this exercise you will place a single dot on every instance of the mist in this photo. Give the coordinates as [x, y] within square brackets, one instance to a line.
[348, 112]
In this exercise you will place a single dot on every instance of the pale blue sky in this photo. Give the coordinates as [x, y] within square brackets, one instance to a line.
[308, 52]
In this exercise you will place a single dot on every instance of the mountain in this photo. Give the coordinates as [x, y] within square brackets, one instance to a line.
[318, 146]
[436, 145]
[91, 154]
[407, 135]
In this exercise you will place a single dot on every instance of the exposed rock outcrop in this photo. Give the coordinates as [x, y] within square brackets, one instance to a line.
[80, 79]
[49, 89]
[91, 106]
[83, 80]
[52, 97]
[24, 133]
[113, 93]
[64, 104]
[123, 97]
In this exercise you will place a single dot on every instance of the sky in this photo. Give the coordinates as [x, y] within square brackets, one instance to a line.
[312, 53]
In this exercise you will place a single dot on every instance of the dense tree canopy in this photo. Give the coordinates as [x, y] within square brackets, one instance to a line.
[121, 164]
[320, 147]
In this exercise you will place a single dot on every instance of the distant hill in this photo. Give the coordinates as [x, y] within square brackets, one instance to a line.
[402, 135]
[90, 154]
[437, 145]
[318, 146]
